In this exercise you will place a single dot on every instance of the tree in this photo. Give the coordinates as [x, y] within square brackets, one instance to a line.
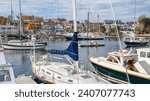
[143, 25]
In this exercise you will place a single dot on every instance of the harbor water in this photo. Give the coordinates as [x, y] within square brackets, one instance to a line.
[20, 59]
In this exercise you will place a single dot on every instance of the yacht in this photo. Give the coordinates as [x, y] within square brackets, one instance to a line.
[122, 67]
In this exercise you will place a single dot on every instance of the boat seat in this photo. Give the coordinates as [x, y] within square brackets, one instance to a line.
[142, 67]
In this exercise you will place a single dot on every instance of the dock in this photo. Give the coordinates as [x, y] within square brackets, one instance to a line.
[22, 79]
[91, 45]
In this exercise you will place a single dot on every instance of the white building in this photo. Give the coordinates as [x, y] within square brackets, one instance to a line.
[8, 29]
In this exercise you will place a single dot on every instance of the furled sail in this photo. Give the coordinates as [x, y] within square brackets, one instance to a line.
[72, 49]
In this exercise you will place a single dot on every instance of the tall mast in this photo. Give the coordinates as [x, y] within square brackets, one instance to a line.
[88, 23]
[135, 18]
[11, 11]
[20, 20]
[98, 22]
[74, 16]
[75, 28]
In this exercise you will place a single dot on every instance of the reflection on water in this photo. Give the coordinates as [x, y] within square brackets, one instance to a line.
[21, 59]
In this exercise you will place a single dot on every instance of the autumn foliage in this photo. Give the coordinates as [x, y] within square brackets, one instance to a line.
[143, 25]
[3, 20]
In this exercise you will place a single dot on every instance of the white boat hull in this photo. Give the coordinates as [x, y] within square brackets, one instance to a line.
[23, 47]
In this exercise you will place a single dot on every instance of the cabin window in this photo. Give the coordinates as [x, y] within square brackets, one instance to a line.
[143, 54]
[111, 59]
[5, 75]
[70, 80]
[148, 54]
[48, 73]
[58, 77]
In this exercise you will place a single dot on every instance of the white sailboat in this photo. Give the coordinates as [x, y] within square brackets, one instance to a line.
[20, 44]
[6, 70]
[63, 73]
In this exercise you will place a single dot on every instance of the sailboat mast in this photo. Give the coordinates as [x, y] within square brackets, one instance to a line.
[11, 11]
[88, 23]
[20, 20]
[74, 16]
[135, 18]
[75, 28]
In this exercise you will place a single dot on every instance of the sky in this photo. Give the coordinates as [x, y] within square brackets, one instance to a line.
[123, 9]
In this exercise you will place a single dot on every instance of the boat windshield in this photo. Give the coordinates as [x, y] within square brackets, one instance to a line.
[4, 75]
[113, 59]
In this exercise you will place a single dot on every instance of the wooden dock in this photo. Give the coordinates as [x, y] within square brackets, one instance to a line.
[22, 79]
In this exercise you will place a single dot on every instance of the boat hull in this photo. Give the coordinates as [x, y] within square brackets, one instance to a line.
[23, 47]
[119, 77]
[128, 43]
[91, 45]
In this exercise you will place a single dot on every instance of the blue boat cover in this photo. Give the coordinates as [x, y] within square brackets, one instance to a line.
[72, 49]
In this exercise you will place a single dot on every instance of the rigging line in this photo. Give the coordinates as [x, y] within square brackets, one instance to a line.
[114, 18]
[112, 11]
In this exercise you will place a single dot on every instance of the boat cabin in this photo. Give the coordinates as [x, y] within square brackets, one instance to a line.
[144, 54]
[117, 57]
[124, 59]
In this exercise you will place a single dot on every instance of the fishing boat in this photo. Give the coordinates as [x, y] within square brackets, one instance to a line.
[21, 44]
[6, 70]
[61, 72]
